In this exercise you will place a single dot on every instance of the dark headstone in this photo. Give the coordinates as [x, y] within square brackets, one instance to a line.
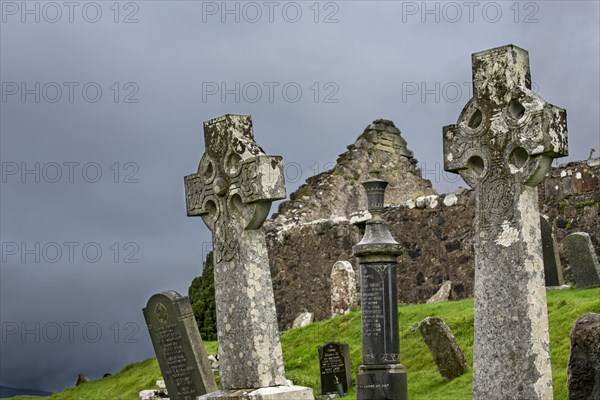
[334, 364]
[584, 360]
[178, 346]
[381, 376]
[582, 259]
[444, 349]
[552, 268]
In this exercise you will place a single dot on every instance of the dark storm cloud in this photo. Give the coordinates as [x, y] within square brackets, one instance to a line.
[133, 97]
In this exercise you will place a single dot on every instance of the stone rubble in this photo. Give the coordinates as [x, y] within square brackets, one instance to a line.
[303, 319]
[443, 294]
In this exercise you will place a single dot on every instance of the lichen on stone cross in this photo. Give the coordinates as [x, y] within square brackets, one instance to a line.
[235, 183]
[232, 192]
[502, 145]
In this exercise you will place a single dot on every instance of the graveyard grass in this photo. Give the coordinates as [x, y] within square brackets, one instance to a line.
[424, 381]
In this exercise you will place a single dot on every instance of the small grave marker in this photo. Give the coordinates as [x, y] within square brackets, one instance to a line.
[334, 364]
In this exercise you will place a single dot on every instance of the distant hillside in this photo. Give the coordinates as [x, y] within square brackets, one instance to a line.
[424, 382]
[8, 392]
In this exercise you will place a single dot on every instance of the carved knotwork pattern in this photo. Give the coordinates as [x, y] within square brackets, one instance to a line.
[229, 244]
[503, 134]
[228, 168]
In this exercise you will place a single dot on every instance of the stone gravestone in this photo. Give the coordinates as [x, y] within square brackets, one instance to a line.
[552, 268]
[343, 288]
[502, 146]
[303, 319]
[381, 376]
[334, 364]
[584, 360]
[232, 192]
[444, 349]
[443, 294]
[178, 346]
[585, 268]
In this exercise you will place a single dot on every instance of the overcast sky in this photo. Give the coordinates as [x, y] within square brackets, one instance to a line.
[101, 117]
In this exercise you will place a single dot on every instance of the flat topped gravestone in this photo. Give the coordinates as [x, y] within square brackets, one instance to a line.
[334, 364]
[232, 192]
[178, 346]
[502, 145]
[552, 268]
[582, 259]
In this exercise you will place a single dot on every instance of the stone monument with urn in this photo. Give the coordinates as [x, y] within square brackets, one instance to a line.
[381, 376]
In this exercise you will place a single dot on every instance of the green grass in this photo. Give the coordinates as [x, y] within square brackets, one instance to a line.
[424, 382]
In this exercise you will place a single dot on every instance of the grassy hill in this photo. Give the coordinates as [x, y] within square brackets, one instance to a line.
[424, 382]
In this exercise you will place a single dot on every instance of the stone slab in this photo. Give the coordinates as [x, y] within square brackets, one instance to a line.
[552, 268]
[266, 393]
[444, 349]
[582, 260]
[303, 319]
[178, 346]
[443, 294]
[584, 360]
[343, 288]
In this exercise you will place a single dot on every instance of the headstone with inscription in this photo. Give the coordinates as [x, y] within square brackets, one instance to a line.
[582, 260]
[381, 376]
[343, 288]
[178, 346]
[502, 145]
[232, 192]
[552, 268]
[334, 364]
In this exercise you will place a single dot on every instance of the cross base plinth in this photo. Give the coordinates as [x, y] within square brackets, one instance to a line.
[381, 382]
[266, 393]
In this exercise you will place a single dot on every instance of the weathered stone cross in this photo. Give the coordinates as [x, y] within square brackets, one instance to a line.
[232, 192]
[502, 146]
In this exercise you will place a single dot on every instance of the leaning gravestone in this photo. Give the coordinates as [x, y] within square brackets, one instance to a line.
[444, 349]
[343, 288]
[334, 364]
[584, 360]
[232, 192]
[552, 268]
[502, 145]
[178, 346]
[582, 259]
[381, 376]
[303, 319]
[443, 294]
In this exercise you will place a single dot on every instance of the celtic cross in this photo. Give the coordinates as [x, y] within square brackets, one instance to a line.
[502, 145]
[235, 183]
[232, 192]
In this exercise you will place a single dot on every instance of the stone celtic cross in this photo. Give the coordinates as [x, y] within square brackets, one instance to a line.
[502, 145]
[232, 192]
